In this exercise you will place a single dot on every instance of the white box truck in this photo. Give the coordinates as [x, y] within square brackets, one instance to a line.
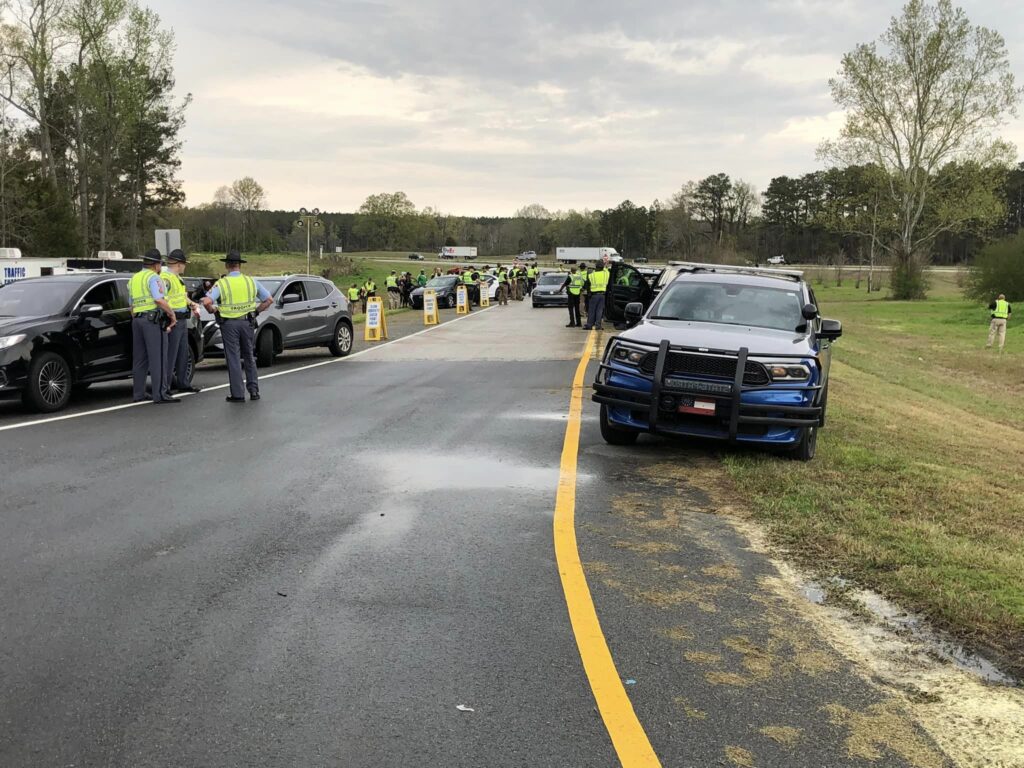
[458, 252]
[576, 255]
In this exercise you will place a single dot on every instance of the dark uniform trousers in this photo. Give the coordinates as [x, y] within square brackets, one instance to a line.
[149, 355]
[595, 310]
[239, 349]
[574, 309]
[177, 354]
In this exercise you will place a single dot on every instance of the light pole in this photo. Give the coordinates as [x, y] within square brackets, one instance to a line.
[308, 220]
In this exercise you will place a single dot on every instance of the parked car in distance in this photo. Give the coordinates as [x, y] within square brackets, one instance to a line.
[307, 312]
[777, 260]
[550, 291]
[416, 256]
[60, 334]
[732, 353]
[528, 256]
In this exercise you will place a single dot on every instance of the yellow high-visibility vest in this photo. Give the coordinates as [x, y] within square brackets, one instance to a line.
[138, 291]
[237, 296]
[576, 283]
[391, 281]
[467, 278]
[599, 281]
[177, 294]
[353, 294]
[1002, 310]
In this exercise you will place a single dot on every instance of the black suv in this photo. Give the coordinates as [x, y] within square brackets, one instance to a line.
[62, 333]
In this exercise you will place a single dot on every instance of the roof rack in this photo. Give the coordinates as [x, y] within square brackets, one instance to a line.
[785, 274]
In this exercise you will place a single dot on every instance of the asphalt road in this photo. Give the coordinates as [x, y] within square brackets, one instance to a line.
[324, 577]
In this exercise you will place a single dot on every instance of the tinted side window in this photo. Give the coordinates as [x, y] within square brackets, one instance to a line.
[294, 289]
[315, 290]
[104, 294]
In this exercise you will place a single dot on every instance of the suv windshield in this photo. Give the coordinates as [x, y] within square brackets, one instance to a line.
[36, 298]
[731, 304]
[443, 282]
[270, 284]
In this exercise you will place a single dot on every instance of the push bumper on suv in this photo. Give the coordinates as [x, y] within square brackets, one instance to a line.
[747, 405]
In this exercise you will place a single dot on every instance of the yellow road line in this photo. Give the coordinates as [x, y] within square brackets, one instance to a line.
[628, 736]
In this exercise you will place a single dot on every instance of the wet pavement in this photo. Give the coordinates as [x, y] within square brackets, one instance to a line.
[336, 575]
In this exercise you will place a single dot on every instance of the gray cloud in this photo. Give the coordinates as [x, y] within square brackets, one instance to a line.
[479, 107]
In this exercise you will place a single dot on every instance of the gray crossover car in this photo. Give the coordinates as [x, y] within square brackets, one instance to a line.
[307, 312]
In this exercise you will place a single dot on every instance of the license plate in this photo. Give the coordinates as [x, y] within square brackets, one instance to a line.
[695, 406]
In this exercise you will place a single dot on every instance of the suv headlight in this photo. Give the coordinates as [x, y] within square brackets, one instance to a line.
[10, 341]
[788, 371]
[626, 354]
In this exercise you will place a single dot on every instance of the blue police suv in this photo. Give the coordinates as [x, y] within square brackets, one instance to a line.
[731, 353]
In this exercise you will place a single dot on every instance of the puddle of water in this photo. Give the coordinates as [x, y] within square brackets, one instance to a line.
[892, 618]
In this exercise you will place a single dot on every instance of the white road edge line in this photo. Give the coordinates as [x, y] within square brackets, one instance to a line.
[333, 361]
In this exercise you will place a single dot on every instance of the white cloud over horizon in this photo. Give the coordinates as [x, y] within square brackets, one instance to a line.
[478, 108]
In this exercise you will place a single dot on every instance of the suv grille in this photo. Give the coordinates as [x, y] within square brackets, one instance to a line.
[755, 374]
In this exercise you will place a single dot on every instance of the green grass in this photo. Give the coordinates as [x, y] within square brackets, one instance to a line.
[916, 488]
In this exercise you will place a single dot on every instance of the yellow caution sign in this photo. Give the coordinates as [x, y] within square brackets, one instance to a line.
[462, 303]
[485, 293]
[376, 320]
[430, 314]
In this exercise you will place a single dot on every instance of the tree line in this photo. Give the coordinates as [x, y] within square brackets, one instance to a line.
[89, 148]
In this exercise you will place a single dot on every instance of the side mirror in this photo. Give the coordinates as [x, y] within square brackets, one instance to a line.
[830, 330]
[90, 311]
[810, 312]
[633, 312]
[290, 298]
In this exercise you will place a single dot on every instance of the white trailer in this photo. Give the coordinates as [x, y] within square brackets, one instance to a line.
[576, 255]
[458, 252]
[19, 268]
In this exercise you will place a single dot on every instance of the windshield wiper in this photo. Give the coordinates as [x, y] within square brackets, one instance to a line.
[663, 317]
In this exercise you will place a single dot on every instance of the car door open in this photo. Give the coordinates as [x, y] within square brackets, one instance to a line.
[625, 286]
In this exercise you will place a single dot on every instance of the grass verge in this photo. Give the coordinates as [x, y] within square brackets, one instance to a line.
[916, 488]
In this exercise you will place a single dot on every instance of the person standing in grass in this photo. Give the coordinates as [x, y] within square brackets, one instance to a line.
[1001, 312]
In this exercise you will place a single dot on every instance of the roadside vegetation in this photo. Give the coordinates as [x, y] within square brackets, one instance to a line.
[916, 488]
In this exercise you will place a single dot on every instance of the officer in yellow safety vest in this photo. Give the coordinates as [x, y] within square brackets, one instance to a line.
[176, 373]
[152, 321]
[354, 295]
[531, 278]
[1001, 312]
[502, 275]
[469, 279]
[240, 300]
[369, 291]
[598, 282]
[391, 283]
[574, 286]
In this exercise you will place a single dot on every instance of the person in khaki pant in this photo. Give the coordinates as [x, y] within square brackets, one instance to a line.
[1001, 312]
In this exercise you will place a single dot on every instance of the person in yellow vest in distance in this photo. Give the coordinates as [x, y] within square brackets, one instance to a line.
[152, 321]
[354, 295]
[176, 373]
[240, 299]
[1001, 312]
[598, 282]
[574, 286]
[369, 292]
[391, 283]
[502, 275]
[469, 279]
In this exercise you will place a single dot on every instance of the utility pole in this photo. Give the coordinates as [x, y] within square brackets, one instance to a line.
[308, 220]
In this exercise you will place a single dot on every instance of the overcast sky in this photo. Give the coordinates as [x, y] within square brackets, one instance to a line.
[478, 107]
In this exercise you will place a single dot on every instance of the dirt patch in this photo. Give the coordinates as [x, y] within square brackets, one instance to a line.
[739, 756]
[884, 727]
[691, 712]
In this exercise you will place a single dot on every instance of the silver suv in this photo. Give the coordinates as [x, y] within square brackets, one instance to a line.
[307, 312]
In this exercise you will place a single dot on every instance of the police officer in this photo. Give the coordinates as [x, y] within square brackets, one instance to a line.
[1001, 312]
[421, 280]
[177, 339]
[150, 311]
[574, 286]
[240, 300]
[369, 292]
[531, 278]
[469, 279]
[391, 282]
[502, 276]
[354, 294]
[598, 284]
